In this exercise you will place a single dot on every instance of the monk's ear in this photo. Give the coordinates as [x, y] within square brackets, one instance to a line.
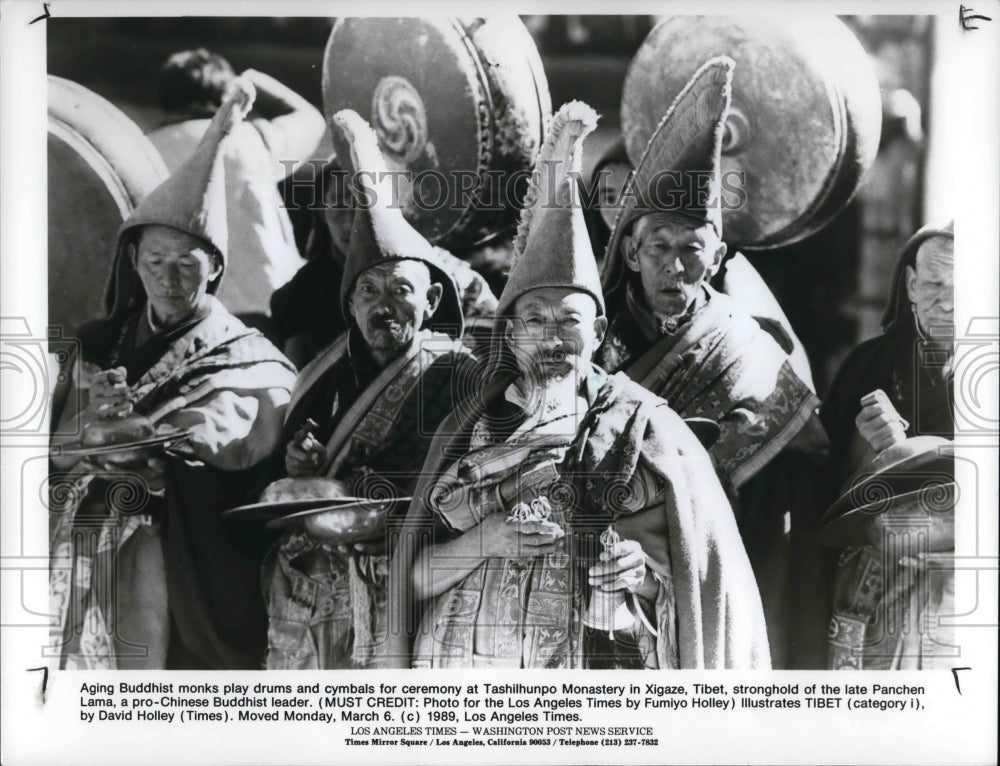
[600, 329]
[720, 253]
[508, 329]
[911, 284]
[630, 252]
[132, 252]
[434, 293]
[216, 271]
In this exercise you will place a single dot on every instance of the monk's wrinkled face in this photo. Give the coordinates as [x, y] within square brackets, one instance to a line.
[931, 287]
[554, 332]
[176, 269]
[673, 261]
[392, 301]
[611, 180]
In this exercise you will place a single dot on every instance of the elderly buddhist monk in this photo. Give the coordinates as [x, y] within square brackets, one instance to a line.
[375, 395]
[159, 580]
[566, 517]
[672, 332]
[899, 384]
[305, 320]
[736, 276]
[889, 389]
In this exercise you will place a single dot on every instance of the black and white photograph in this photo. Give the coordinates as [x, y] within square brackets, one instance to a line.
[501, 388]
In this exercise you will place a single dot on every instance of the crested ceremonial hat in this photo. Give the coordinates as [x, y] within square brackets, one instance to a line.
[552, 246]
[192, 199]
[804, 123]
[679, 172]
[379, 232]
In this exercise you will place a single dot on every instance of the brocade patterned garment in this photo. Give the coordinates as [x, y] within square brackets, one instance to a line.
[229, 386]
[627, 460]
[326, 609]
[719, 364]
[722, 366]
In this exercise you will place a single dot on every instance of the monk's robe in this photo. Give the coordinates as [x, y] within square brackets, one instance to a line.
[611, 454]
[327, 609]
[124, 553]
[720, 364]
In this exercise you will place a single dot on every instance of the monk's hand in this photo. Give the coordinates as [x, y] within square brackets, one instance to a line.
[243, 90]
[622, 567]
[878, 422]
[237, 101]
[304, 455]
[109, 396]
[517, 540]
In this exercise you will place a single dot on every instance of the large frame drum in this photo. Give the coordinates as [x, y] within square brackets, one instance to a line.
[461, 104]
[805, 120]
[100, 165]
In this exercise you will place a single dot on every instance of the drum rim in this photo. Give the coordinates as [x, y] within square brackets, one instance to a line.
[474, 226]
[841, 181]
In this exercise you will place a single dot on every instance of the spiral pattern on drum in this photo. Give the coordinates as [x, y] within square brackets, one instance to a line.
[399, 117]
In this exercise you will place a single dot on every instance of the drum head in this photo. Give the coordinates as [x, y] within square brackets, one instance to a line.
[100, 165]
[460, 104]
[804, 124]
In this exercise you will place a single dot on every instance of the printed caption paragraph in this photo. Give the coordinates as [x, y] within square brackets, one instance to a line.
[472, 715]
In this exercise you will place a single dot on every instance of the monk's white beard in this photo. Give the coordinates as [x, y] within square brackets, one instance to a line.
[543, 389]
[556, 402]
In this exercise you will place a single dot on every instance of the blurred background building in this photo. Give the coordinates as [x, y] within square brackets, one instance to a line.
[832, 285]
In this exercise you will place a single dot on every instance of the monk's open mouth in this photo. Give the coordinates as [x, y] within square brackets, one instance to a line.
[384, 323]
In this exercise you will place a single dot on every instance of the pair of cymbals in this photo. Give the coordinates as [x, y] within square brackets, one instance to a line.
[908, 490]
[285, 513]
